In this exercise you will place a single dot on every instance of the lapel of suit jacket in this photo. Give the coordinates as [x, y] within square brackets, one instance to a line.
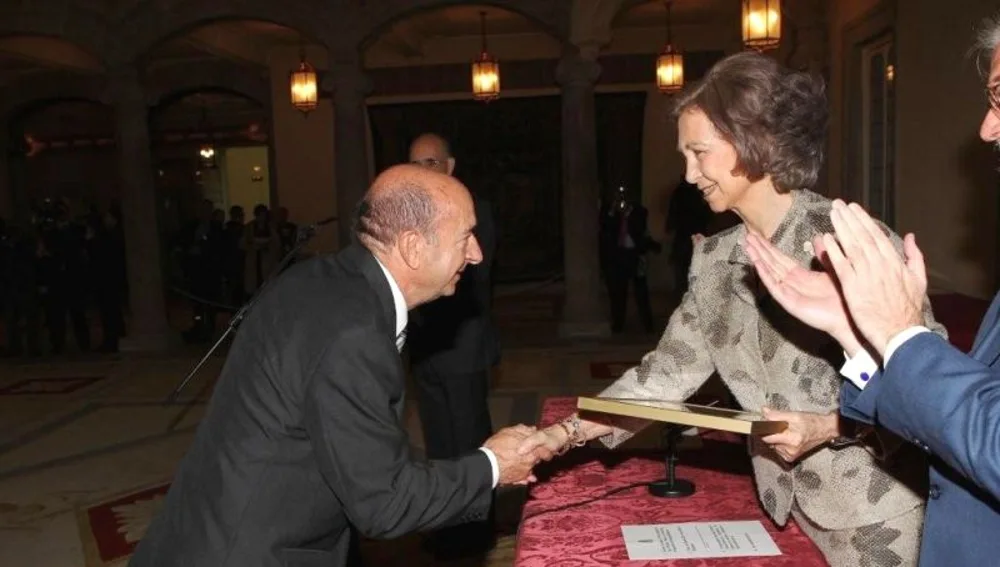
[986, 347]
[365, 263]
[778, 333]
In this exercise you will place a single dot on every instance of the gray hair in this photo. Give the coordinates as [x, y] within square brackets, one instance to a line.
[987, 41]
[383, 216]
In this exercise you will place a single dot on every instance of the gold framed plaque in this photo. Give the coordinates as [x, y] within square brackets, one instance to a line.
[693, 415]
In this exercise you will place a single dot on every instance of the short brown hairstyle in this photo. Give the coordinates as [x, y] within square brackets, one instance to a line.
[776, 118]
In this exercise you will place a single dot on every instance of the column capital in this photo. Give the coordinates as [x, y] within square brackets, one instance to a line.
[124, 86]
[347, 80]
[576, 69]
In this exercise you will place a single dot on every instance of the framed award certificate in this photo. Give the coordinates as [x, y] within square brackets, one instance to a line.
[693, 415]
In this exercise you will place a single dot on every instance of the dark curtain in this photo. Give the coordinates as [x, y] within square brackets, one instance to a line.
[508, 152]
[619, 119]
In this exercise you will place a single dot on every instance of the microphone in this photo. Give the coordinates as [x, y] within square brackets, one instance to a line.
[310, 230]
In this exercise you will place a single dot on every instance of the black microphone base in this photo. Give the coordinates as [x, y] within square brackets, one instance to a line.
[679, 488]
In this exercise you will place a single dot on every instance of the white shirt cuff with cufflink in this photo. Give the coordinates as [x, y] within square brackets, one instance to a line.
[494, 466]
[860, 369]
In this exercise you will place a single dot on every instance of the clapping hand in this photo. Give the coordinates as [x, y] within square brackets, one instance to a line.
[810, 296]
[884, 291]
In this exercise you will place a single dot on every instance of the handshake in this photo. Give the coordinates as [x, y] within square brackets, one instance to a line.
[518, 449]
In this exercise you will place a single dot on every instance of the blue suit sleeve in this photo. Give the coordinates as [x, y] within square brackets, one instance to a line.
[944, 401]
[855, 405]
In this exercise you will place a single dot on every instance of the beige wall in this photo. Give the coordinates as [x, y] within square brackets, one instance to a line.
[303, 151]
[947, 186]
[241, 189]
[840, 14]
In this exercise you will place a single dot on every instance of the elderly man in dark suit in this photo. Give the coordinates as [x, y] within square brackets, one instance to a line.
[452, 347]
[303, 438]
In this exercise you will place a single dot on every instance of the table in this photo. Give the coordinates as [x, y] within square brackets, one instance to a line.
[590, 536]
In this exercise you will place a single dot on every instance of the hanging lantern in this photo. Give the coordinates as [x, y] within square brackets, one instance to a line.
[304, 90]
[485, 71]
[669, 65]
[761, 24]
[256, 174]
[207, 153]
[670, 71]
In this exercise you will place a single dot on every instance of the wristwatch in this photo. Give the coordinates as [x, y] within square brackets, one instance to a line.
[851, 433]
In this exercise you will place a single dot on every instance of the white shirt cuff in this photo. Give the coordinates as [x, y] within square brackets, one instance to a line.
[493, 465]
[903, 336]
[860, 369]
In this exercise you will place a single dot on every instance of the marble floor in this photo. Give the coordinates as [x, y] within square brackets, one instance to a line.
[88, 443]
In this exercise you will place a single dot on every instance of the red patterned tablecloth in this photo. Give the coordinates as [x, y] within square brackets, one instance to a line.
[590, 535]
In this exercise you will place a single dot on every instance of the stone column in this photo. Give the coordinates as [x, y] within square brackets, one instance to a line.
[583, 313]
[16, 177]
[7, 198]
[350, 85]
[147, 328]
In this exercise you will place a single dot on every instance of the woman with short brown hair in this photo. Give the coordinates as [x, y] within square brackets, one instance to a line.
[752, 134]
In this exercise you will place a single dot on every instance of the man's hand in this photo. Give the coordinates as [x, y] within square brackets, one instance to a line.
[514, 468]
[805, 432]
[811, 297]
[884, 292]
[544, 443]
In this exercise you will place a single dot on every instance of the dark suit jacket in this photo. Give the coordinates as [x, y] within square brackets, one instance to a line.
[948, 404]
[638, 230]
[455, 334]
[303, 436]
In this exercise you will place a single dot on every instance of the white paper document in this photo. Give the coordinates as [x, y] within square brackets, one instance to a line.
[695, 540]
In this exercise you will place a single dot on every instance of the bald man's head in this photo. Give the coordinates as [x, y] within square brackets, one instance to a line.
[420, 224]
[433, 152]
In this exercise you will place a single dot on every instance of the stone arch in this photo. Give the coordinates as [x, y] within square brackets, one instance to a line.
[170, 82]
[37, 90]
[624, 6]
[75, 24]
[160, 20]
[552, 17]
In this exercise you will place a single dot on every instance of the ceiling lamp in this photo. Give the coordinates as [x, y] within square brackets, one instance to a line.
[669, 65]
[207, 153]
[303, 86]
[761, 24]
[485, 71]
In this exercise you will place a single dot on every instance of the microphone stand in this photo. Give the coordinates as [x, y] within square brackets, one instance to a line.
[236, 319]
[671, 486]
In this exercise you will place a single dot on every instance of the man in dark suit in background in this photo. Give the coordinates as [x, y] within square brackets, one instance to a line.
[453, 346]
[303, 437]
[688, 216]
[624, 242]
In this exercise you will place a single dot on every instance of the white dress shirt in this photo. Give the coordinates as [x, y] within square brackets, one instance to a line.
[402, 318]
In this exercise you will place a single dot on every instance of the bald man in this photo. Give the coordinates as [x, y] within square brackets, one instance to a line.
[303, 437]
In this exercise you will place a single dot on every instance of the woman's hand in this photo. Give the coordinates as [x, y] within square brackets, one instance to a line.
[544, 443]
[805, 432]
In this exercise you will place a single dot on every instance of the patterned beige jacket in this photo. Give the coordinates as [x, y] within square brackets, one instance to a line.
[727, 323]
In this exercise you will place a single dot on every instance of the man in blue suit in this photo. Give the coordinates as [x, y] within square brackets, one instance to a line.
[944, 401]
